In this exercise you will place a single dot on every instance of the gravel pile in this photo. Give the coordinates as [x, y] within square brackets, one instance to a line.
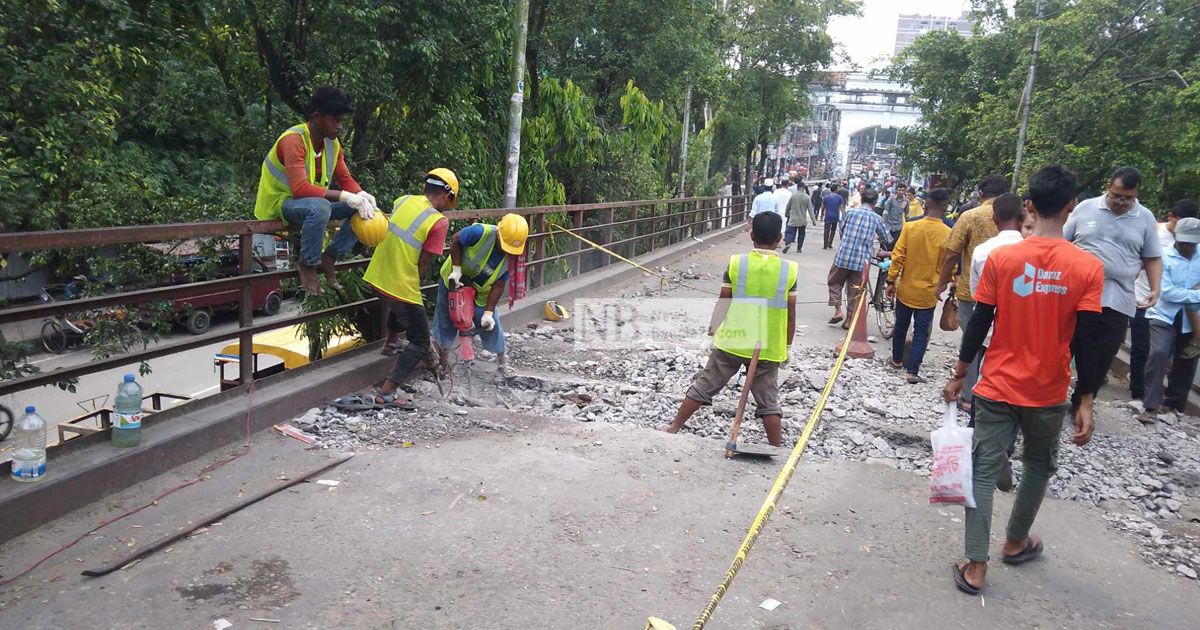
[1145, 478]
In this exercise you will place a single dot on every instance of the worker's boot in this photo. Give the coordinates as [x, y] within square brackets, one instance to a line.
[308, 279]
[327, 268]
[503, 369]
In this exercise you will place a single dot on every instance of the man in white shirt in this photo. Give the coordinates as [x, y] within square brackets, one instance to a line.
[783, 194]
[1139, 326]
[765, 201]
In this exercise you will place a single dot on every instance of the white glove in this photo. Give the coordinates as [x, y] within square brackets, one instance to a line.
[487, 322]
[359, 203]
[371, 198]
[707, 348]
[454, 280]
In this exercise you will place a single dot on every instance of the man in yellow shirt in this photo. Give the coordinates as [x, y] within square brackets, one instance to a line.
[913, 279]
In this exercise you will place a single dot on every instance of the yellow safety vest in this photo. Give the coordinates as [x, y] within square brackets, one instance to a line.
[758, 311]
[393, 268]
[273, 188]
[475, 265]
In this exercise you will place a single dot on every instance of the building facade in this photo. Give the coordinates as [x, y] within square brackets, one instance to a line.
[909, 27]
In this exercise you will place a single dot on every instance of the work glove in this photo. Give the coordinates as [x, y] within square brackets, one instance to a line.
[707, 348]
[454, 280]
[359, 203]
[370, 198]
[488, 321]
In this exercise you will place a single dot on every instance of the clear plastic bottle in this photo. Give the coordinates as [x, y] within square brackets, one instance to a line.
[127, 419]
[29, 452]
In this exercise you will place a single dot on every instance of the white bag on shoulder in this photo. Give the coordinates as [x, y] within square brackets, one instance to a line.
[950, 481]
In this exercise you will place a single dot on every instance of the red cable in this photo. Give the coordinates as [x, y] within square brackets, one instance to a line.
[200, 477]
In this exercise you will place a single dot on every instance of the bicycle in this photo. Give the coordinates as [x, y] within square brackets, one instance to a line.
[6, 422]
[62, 332]
[885, 307]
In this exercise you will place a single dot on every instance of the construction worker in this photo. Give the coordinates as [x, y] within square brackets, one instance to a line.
[416, 235]
[480, 257]
[757, 306]
[294, 184]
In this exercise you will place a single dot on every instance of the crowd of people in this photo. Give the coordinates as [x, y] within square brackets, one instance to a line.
[1044, 284]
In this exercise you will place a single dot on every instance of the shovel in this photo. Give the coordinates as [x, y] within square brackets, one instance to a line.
[731, 447]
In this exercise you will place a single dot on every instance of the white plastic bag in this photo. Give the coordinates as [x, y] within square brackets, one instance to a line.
[950, 481]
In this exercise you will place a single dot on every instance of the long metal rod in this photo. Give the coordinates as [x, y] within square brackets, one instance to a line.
[213, 518]
[683, 141]
[512, 165]
[1027, 96]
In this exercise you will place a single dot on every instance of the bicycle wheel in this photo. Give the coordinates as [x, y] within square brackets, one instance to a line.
[54, 338]
[6, 422]
[885, 317]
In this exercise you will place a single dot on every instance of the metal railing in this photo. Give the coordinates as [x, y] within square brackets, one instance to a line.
[630, 228]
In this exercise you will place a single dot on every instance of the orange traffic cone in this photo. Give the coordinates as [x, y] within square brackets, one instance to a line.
[859, 347]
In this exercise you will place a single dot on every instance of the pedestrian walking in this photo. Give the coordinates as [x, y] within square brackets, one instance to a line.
[1040, 295]
[1174, 321]
[862, 228]
[1139, 326]
[894, 211]
[972, 228]
[763, 201]
[783, 194]
[912, 280]
[1121, 233]
[798, 209]
[832, 203]
[818, 199]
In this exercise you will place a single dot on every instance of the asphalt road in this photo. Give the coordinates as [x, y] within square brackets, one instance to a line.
[189, 373]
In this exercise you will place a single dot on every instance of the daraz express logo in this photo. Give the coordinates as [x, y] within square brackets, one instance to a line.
[1036, 280]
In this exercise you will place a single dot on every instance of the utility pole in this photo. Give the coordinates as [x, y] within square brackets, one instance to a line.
[516, 103]
[1027, 95]
[687, 117]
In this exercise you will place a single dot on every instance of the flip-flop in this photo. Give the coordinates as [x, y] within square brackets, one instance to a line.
[388, 401]
[1030, 552]
[835, 319]
[354, 402]
[960, 580]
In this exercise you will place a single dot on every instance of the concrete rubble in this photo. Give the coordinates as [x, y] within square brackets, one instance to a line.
[1144, 479]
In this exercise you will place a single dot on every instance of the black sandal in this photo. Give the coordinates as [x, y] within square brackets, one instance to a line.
[960, 580]
[835, 319]
[1030, 552]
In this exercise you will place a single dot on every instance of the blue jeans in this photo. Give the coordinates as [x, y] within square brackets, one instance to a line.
[313, 214]
[923, 318]
[445, 333]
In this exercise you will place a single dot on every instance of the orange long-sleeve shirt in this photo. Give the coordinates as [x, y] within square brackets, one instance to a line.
[291, 153]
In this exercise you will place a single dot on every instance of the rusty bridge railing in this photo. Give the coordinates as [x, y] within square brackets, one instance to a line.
[630, 228]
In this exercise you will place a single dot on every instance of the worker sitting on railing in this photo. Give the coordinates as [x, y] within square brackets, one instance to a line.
[416, 235]
[294, 184]
[484, 257]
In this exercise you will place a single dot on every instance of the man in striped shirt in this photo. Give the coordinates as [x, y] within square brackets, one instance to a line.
[860, 227]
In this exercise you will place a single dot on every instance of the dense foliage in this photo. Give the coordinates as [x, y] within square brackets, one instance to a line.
[1118, 82]
[120, 112]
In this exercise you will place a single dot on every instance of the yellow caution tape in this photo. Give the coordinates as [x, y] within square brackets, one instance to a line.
[781, 482]
[610, 252]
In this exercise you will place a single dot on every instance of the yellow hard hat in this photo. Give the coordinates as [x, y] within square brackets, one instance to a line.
[370, 232]
[514, 229]
[451, 180]
[553, 311]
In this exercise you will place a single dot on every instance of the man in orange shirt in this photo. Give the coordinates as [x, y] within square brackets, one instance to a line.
[304, 181]
[1038, 293]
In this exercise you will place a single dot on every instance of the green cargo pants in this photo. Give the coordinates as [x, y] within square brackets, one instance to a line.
[994, 423]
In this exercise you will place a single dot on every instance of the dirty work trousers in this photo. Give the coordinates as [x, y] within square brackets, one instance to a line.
[994, 425]
[1165, 345]
[841, 278]
[411, 319]
[312, 214]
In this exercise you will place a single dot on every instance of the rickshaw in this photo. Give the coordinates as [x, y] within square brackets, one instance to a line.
[286, 344]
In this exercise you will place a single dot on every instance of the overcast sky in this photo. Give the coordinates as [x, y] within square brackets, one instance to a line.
[871, 35]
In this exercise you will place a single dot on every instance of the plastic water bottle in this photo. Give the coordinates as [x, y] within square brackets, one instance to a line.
[29, 454]
[127, 419]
